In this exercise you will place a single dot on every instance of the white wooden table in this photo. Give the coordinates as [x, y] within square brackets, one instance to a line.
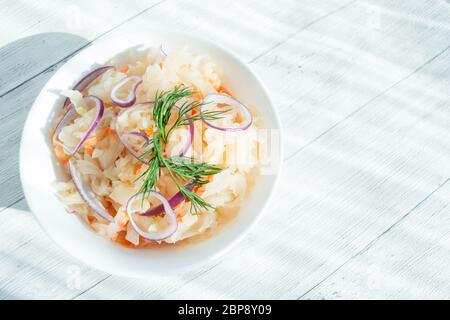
[363, 90]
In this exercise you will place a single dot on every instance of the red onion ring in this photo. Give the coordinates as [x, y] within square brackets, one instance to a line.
[169, 212]
[70, 116]
[87, 80]
[131, 98]
[221, 98]
[86, 194]
[175, 200]
[162, 50]
[135, 133]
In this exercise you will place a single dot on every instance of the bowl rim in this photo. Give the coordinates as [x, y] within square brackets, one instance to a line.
[219, 253]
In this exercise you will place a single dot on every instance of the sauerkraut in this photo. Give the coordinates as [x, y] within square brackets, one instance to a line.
[111, 172]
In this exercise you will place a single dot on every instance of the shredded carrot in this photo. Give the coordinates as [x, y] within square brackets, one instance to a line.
[124, 69]
[149, 132]
[60, 155]
[52, 133]
[123, 220]
[106, 132]
[137, 167]
[128, 183]
[194, 112]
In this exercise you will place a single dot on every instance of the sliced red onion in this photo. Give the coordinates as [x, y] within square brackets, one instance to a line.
[70, 115]
[224, 99]
[175, 200]
[131, 98]
[87, 80]
[190, 138]
[160, 235]
[129, 147]
[86, 194]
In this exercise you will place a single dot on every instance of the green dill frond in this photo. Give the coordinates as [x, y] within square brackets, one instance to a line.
[168, 115]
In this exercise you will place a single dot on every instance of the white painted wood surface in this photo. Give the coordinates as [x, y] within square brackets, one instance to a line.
[363, 91]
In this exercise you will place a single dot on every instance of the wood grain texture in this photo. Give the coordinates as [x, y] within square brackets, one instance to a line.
[23, 95]
[362, 89]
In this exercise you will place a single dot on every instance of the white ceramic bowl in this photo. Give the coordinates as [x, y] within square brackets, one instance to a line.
[38, 168]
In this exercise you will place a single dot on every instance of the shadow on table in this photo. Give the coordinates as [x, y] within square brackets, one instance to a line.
[26, 64]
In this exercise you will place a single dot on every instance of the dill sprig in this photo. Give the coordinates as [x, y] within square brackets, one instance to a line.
[171, 110]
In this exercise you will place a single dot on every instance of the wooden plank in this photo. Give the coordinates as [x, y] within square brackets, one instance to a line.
[410, 260]
[29, 43]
